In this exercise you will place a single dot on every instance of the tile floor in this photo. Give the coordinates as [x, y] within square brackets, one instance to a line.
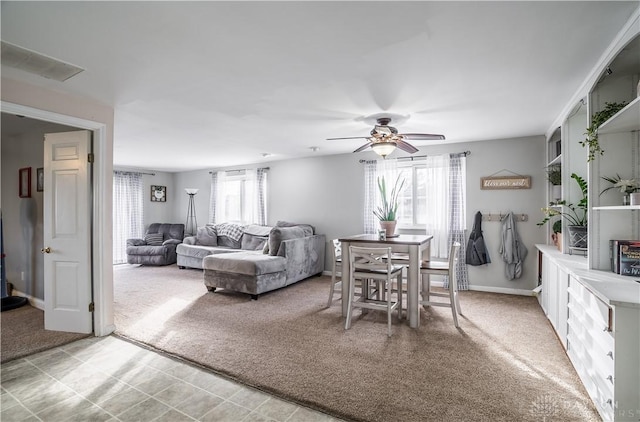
[110, 379]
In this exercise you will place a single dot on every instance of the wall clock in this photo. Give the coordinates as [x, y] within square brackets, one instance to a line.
[158, 193]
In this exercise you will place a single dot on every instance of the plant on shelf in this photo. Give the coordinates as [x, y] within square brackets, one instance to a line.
[388, 210]
[556, 236]
[626, 186]
[554, 174]
[575, 215]
[597, 120]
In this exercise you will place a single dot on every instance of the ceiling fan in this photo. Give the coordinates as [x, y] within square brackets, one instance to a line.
[385, 139]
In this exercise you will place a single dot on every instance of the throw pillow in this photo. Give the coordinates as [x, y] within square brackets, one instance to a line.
[206, 236]
[279, 234]
[289, 224]
[252, 242]
[154, 239]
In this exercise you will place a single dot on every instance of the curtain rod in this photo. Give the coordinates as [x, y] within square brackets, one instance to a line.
[231, 171]
[411, 158]
[134, 171]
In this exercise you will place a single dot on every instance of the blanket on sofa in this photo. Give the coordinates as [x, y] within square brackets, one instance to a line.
[232, 231]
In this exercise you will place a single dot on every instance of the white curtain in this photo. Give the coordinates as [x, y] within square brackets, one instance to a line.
[261, 206]
[128, 202]
[370, 189]
[437, 210]
[220, 212]
[372, 171]
[446, 209]
[212, 197]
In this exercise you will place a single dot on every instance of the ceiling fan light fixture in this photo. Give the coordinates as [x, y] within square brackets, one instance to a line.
[383, 148]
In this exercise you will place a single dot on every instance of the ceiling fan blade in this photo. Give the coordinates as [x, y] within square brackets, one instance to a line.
[422, 137]
[405, 146]
[362, 148]
[351, 137]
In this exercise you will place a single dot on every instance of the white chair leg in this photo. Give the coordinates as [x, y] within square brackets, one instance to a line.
[452, 300]
[347, 323]
[399, 284]
[458, 303]
[333, 286]
[388, 291]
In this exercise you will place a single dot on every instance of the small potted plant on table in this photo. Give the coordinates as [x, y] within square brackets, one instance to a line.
[388, 209]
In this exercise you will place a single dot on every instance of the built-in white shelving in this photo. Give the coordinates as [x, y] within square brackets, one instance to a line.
[555, 161]
[618, 207]
[626, 120]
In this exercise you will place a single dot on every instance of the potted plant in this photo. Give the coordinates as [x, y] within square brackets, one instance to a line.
[626, 186]
[387, 211]
[597, 120]
[554, 175]
[556, 236]
[575, 215]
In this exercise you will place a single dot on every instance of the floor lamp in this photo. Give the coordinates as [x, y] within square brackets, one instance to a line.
[191, 225]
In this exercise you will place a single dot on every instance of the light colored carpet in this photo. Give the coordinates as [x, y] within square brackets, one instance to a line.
[23, 333]
[503, 364]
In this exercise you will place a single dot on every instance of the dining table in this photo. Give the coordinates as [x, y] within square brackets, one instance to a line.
[415, 246]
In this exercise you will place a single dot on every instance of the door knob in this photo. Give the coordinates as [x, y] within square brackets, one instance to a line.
[45, 250]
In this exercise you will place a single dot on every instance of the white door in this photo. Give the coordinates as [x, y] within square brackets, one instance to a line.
[67, 232]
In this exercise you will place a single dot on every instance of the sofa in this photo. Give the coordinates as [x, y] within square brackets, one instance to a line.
[222, 238]
[290, 253]
[158, 247]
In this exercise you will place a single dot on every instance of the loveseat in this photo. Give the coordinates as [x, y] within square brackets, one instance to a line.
[220, 239]
[158, 247]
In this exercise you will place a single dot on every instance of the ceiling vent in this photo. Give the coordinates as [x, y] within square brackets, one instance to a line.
[39, 64]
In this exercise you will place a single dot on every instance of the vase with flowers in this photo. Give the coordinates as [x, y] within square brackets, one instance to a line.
[626, 187]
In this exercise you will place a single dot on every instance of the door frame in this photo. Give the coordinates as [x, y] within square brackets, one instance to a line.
[101, 210]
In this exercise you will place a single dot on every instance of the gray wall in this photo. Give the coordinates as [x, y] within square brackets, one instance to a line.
[328, 192]
[22, 217]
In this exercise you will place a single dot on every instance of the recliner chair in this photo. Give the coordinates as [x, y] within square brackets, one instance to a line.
[158, 246]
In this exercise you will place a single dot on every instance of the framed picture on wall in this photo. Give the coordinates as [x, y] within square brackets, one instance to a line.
[40, 179]
[24, 182]
[158, 193]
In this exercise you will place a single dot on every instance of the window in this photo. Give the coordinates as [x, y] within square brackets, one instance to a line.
[239, 197]
[413, 199]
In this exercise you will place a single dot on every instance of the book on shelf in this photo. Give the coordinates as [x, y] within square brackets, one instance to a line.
[631, 247]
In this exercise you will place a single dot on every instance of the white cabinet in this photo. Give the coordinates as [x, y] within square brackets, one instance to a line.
[596, 315]
[603, 343]
[555, 279]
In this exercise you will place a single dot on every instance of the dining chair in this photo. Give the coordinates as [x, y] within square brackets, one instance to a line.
[448, 268]
[336, 267]
[368, 264]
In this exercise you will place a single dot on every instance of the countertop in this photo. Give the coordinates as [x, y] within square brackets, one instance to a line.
[613, 289]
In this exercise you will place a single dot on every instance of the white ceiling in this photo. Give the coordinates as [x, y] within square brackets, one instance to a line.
[200, 85]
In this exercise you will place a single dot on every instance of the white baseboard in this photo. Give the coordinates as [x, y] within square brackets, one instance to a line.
[503, 290]
[489, 289]
[33, 301]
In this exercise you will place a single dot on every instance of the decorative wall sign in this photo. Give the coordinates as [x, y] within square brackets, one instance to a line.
[505, 182]
[158, 193]
[24, 182]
